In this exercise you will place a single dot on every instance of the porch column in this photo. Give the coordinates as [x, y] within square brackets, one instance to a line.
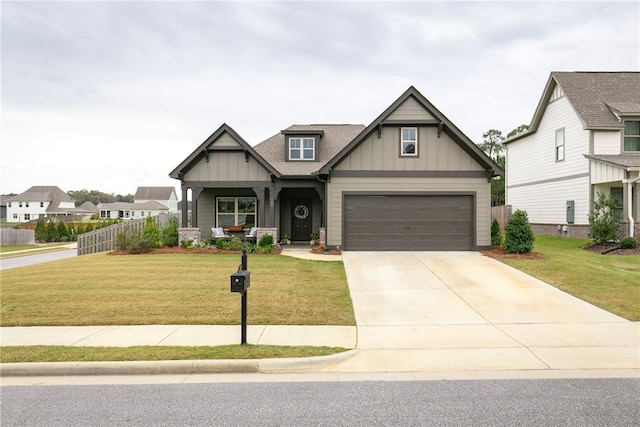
[320, 191]
[260, 218]
[185, 208]
[273, 196]
[195, 195]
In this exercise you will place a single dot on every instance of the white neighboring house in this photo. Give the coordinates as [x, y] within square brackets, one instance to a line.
[584, 138]
[125, 210]
[163, 195]
[44, 201]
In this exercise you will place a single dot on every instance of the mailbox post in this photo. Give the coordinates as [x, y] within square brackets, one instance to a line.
[240, 282]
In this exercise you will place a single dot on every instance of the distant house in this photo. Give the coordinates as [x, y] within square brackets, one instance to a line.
[164, 195]
[125, 210]
[43, 202]
[410, 180]
[584, 139]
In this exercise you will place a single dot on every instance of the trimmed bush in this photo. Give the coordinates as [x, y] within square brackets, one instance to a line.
[496, 234]
[151, 232]
[628, 243]
[602, 224]
[518, 234]
[265, 240]
[169, 234]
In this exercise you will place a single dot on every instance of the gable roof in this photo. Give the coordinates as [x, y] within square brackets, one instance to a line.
[154, 193]
[596, 97]
[43, 193]
[204, 149]
[445, 124]
[333, 139]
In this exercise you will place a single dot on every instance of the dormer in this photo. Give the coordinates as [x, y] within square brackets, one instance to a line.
[302, 145]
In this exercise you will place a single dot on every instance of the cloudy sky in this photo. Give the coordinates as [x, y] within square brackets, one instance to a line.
[112, 95]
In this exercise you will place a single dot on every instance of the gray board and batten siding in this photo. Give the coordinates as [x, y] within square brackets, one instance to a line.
[437, 200]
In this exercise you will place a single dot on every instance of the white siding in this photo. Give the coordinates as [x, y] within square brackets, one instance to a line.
[602, 172]
[480, 186]
[537, 183]
[607, 142]
[410, 110]
[227, 166]
[545, 203]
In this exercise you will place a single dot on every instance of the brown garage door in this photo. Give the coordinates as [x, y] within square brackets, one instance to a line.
[403, 223]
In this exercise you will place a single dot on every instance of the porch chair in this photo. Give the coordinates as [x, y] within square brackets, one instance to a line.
[218, 233]
[252, 236]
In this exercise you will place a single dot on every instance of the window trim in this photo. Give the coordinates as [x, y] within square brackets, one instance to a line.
[557, 146]
[301, 148]
[625, 136]
[403, 141]
[236, 212]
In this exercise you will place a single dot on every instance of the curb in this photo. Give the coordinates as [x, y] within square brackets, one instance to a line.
[172, 367]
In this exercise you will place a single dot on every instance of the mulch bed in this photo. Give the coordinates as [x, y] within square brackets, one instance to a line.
[611, 249]
[500, 253]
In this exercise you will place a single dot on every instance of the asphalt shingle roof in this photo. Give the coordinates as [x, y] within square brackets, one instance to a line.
[335, 138]
[153, 193]
[624, 160]
[591, 94]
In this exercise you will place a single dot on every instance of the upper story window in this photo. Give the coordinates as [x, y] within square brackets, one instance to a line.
[42, 204]
[560, 145]
[19, 204]
[26, 204]
[631, 135]
[302, 148]
[409, 142]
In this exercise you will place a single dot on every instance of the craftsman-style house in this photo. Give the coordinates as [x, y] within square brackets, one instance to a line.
[410, 180]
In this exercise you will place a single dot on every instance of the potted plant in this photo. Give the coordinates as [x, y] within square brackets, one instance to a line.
[286, 239]
[313, 238]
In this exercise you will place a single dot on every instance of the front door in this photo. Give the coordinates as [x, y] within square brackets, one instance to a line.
[301, 225]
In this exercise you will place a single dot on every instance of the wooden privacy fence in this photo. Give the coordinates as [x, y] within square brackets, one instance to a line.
[15, 236]
[501, 213]
[104, 239]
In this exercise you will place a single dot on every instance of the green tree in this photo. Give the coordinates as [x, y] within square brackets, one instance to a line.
[518, 130]
[518, 236]
[63, 233]
[169, 235]
[40, 233]
[603, 226]
[492, 144]
[52, 232]
[151, 232]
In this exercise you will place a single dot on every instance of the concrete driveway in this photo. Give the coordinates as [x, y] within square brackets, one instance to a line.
[462, 311]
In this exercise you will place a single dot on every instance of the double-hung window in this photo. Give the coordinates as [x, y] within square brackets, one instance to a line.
[409, 142]
[631, 135]
[236, 211]
[559, 145]
[302, 148]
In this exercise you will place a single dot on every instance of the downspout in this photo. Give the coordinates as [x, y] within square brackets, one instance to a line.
[629, 183]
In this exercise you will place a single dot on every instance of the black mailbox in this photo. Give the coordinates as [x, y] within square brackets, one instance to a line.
[240, 281]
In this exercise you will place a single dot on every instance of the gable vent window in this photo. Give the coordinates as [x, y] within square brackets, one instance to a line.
[409, 142]
[560, 145]
[632, 135]
[302, 148]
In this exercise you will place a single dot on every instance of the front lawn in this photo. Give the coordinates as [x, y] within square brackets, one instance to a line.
[193, 289]
[611, 282]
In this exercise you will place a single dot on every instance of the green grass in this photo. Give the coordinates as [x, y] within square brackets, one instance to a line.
[192, 289]
[611, 282]
[87, 354]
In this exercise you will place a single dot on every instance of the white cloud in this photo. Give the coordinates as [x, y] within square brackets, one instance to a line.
[113, 95]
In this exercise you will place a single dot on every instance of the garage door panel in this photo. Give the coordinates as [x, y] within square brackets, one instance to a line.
[434, 222]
